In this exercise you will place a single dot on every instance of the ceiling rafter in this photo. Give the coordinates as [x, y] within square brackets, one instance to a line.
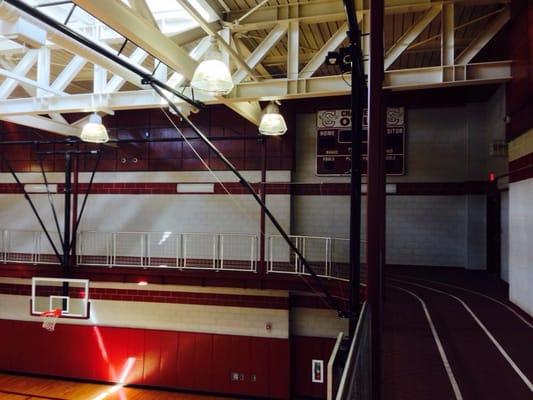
[22, 68]
[122, 19]
[141, 8]
[404, 41]
[320, 56]
[272, 89]
[261, 51]
[208, 29]
[484, 37]
[314, 12]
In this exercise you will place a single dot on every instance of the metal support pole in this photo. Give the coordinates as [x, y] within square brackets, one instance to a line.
[358, 86]
[331, 301]
[262, 224]
[68, 212]
[66, 226]
[74, 220]
[376, 192]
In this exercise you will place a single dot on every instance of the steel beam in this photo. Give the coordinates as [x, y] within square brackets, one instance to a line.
[261, 51]
[320, 56]
[209, 30]
[42, 123]
[68, 73]
[122, 19]
[116, 82]
[268, 89]
[404, 41]
[293, 50]
[22, 68]
[484, 37]
[448, 34]
[140, 7]
[313, 12]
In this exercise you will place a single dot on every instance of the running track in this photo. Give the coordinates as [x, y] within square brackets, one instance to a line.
[454, 335]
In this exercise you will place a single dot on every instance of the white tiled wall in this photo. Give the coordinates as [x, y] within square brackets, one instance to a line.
[316, 322]
[426, 230]
[521, 244]
[443, 145]
[245, 321]
[504, 257]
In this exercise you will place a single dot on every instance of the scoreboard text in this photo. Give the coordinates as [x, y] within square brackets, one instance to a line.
[333, 144]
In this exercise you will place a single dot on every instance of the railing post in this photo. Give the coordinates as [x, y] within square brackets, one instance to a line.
[4, 245]
[147, 246]
[184, 249]
[36, 247]
[220, 241]
[328, 255]
[114, 249]
[178, 250]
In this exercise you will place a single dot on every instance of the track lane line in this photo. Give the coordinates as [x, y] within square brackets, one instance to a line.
[517, 314]
[444, 358]
[509, 360]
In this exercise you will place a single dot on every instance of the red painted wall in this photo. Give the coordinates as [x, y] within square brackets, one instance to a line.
[303, 350]
[180, 360]
[519, 91]
[214, 121]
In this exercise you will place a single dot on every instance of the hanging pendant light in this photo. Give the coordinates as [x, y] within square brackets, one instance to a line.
[212, 75]
[272, 122]
[94, 131]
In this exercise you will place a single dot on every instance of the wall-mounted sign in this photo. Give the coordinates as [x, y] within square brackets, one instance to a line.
[333, 142]
[317, 367]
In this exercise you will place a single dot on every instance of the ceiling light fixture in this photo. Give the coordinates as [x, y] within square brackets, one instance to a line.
[94, 131]
[212, 75]
[272, 122]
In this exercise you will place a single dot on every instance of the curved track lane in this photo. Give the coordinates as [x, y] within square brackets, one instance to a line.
[488, 346]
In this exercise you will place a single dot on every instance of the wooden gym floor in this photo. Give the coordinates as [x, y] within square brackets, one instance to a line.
[17, 387]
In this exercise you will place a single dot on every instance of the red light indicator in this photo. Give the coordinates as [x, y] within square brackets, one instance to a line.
[492, 177]
[142, 283]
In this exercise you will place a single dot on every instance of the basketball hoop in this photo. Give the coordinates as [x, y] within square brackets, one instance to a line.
[50, 319]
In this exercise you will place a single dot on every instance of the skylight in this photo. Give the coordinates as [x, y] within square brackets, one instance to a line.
[171, 18]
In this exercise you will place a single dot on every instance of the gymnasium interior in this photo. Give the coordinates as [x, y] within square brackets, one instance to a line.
[266, 199]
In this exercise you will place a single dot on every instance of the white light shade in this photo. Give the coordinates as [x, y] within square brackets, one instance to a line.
[212, 75]
[272, 122]
[94, 131]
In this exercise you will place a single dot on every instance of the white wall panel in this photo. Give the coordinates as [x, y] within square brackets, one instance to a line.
[504, 260]
[521, 244]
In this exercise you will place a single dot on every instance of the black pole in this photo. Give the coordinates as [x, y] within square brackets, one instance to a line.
[357, 97]
[376, 199]
[329, 298]
[84, 202]
[50, 200]
[66, 228]
[30, 202]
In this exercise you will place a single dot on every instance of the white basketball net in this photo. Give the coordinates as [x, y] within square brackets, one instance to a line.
[50, 319]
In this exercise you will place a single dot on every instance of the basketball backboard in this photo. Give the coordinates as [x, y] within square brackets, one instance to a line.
[71, 296]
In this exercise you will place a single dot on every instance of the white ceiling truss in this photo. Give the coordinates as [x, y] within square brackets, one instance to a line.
[275, 52]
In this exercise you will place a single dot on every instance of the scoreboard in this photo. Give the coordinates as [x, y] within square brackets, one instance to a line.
[334, 148]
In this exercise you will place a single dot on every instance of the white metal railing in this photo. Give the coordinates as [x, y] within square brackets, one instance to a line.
[328, 256]
[212, 251]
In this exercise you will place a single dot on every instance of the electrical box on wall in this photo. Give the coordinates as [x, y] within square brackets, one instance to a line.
[317, 367]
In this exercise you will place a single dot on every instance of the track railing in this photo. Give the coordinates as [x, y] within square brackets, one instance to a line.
[328, 256]
[355, 380]
[205, 251]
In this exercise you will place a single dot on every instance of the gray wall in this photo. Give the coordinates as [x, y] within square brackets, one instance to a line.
[443, 145]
